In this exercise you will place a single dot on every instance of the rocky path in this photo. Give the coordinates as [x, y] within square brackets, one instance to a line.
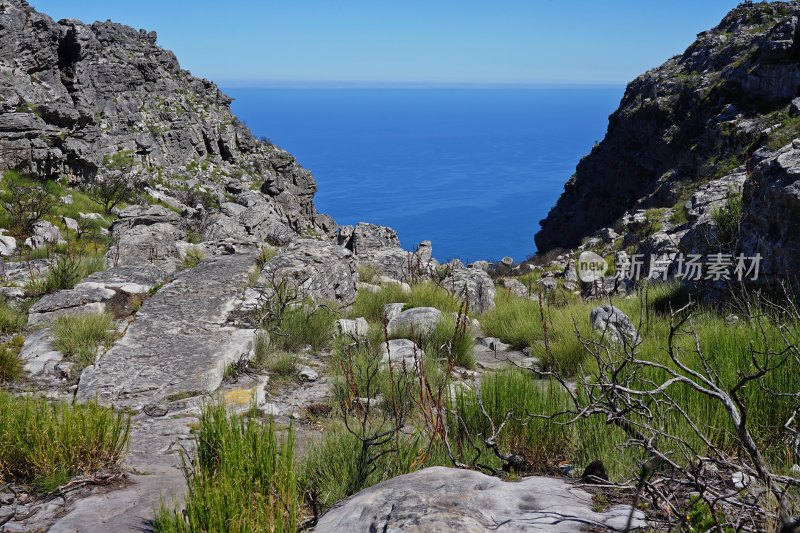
[171, 359]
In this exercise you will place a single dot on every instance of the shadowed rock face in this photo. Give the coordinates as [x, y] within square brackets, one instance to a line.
[678, 125]
[73, 93]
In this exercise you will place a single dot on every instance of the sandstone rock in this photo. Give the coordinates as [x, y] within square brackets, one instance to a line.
[85, 298]
[306, 373]
[358, 328]
[515, 287]
[402, 353]
[317, 269]
[70, 223]
[180, 341]
[613, 324]
[548, 284]
[392, 310]
[474, 285]
[139, 244]
[8, 246]
[570, 273]
[365, 239]
[419, 321]
[454, 500]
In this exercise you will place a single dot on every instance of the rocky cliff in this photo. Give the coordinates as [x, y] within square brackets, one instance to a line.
[693, 121]
[74, 94]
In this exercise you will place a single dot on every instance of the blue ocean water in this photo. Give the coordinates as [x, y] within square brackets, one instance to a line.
[472, 170]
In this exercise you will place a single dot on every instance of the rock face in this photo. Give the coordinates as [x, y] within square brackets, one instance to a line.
[771, 209]
[74, 94]
[694, 118]
[446, 499]
[420, 320]
[475, 285]
[612, 323]
[179, 342]
[316, 269]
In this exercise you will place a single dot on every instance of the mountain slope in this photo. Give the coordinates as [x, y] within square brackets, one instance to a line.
[693, 119]
[73, 94]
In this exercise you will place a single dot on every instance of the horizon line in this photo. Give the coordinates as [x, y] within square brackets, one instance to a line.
[322, 84]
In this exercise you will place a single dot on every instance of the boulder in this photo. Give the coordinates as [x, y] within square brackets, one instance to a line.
[317, 269]
[8, 246]
[392, 310]
[43, 233]
[358, 328]
[365, 239]
[548, 284]
[402, 353]
[70, 223]
[475, 285]
[570, 273]
[419, 321]
[614, 324]
[515, 287]
[457, 500]
[140, 244]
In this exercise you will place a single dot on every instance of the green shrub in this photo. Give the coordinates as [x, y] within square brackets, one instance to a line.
[330, 469]
[243, 479]
[11, 368]
[47, 443]
[304, 325]
[728, 218]
[543, 443]
[427, 294]
[194, 256]
[451, 339]
[370, 304]
[79, 336]
[11, 320]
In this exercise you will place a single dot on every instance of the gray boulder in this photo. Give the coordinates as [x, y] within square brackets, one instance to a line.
[570, 273]
[456, 500]
[317, 269]
[548, 284]
[614, 324]
[146, 243]
[402, 353]
[475, 285]
[515, 287]
[357, 328]
[366, 239]
[8, 246]
[392, 310]
[419, 320]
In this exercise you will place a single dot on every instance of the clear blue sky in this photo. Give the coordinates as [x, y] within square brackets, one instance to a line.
[413, 41]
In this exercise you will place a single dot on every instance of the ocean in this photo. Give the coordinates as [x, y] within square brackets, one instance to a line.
[472, 170]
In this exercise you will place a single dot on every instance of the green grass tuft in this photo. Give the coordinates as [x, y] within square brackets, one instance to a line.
[47, 443]
[79, 336]
[244, 479]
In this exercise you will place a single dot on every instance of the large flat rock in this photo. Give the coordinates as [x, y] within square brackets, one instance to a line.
[448, 499]
[179, 342]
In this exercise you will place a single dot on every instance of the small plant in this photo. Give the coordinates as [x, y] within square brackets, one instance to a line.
[117, 184]
[194, 256]
[47, 443]
[728, 219]
[25, 202]
[11, 319]
[243, 479]
[78, 337]
[10, 365]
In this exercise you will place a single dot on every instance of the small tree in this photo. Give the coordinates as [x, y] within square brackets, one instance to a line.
[25, 203]
[117, 183]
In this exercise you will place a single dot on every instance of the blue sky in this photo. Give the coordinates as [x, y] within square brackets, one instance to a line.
[240, 42]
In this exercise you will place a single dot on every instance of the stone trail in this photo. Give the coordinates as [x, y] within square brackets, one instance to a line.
[171, 359]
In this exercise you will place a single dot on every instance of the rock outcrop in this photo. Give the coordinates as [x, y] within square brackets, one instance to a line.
[75, 94]
[447, 499]
[695, 118]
